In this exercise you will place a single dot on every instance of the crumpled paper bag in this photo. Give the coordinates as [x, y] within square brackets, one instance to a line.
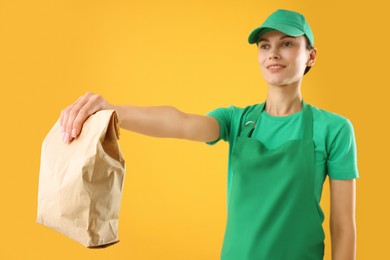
[80, 183]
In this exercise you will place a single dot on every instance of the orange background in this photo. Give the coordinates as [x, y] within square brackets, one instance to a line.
[192, 55]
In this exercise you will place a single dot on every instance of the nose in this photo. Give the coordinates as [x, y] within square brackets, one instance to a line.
[274, 54]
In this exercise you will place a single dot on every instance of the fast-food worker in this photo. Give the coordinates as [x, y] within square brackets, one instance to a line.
[280, 152]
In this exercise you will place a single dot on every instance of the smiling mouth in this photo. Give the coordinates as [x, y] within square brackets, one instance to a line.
[275, 67]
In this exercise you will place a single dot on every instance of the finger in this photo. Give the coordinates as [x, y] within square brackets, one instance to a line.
[73, 114]
[90, 108]
[61, 120]
[64, 116]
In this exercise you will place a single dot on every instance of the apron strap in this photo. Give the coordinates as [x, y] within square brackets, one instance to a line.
[251, 123]
[307, 123]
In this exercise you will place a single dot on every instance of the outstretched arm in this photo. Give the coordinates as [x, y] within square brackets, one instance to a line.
[156, 121]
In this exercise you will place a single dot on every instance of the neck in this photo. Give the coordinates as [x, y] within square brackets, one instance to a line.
[283, 100]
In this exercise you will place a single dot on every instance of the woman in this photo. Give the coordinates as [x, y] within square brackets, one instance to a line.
[280, 153]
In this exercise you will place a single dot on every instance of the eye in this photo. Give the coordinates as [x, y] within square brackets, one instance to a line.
[287, 44]
[264, 46]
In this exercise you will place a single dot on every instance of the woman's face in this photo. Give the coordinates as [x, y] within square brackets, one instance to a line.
[283, 58]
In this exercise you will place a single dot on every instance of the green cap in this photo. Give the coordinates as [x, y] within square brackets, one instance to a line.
[285, 21]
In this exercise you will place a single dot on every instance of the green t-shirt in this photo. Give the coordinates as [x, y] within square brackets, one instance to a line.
[333, 134]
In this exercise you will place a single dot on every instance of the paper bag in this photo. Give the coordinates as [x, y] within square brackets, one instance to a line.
[80, 183]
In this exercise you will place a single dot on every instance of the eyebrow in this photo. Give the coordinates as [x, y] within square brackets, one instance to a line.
[281, 38]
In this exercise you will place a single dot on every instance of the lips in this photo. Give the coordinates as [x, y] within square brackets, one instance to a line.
[275, 66]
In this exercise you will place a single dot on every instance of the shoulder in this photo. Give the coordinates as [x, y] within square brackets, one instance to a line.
[332, 128]
[329, 119]
[230, 118]
[236, 112]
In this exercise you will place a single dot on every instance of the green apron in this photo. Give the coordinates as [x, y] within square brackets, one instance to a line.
[273, 213]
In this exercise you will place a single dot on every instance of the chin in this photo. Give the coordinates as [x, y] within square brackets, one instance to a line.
[281, 81]
[277, 82]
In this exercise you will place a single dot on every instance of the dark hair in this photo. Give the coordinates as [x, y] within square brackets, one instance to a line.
[308, 47]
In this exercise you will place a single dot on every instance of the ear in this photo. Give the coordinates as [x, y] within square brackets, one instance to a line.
[312, 57]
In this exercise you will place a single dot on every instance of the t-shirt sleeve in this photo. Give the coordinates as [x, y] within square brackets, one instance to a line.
[342, 157]
[224, 117]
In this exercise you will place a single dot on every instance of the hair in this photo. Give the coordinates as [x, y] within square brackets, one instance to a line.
[308, 47]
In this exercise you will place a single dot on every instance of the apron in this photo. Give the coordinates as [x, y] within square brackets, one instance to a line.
[273, 213]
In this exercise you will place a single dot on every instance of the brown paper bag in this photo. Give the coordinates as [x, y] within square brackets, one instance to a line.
[80, 183]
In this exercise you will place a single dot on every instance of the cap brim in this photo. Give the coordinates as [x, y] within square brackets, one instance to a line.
[286, 29]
